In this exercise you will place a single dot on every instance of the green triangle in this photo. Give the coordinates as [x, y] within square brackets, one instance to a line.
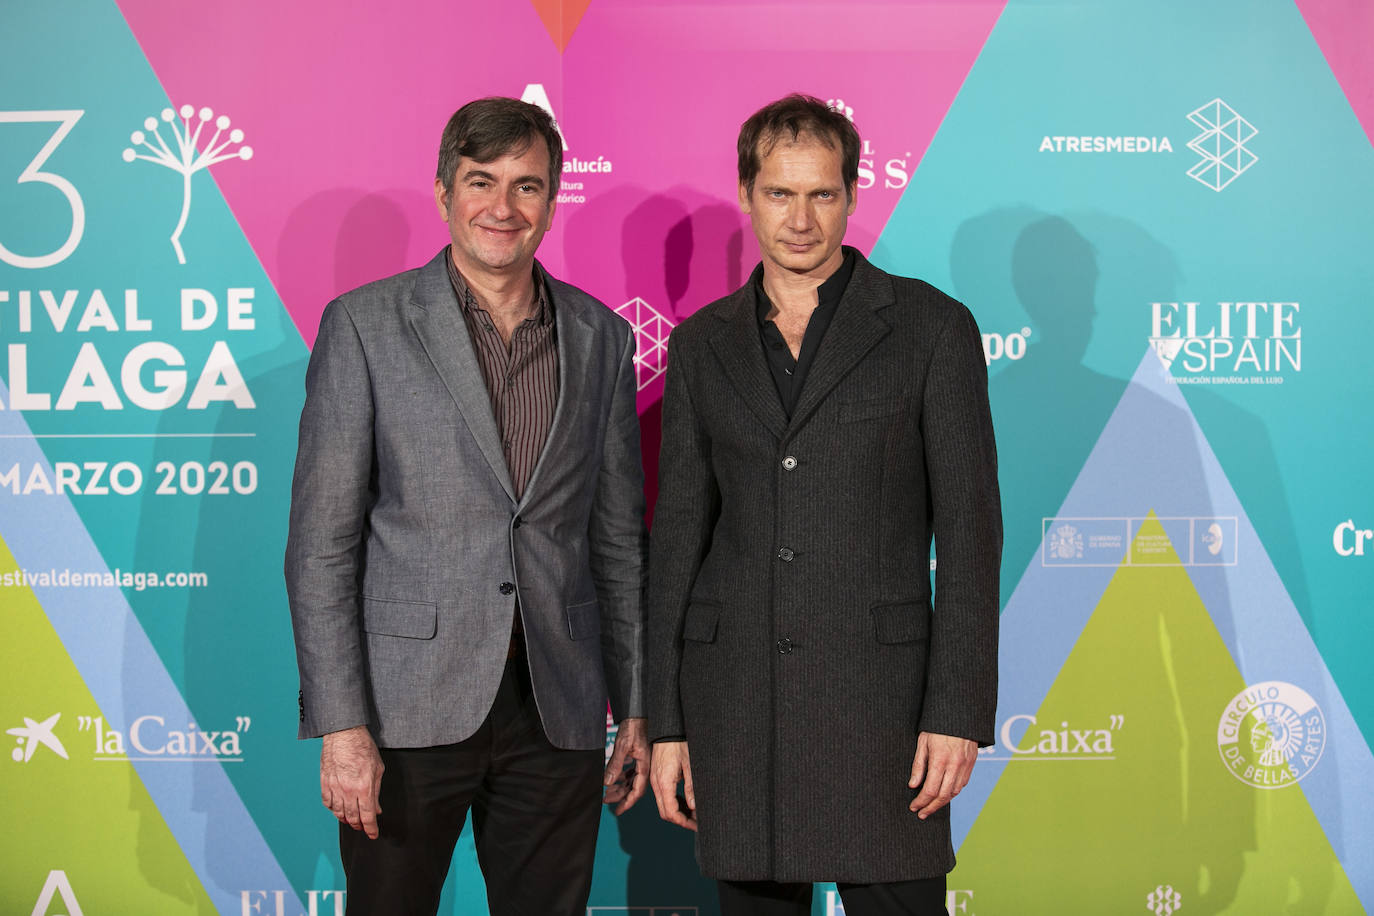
[1148, 804]
[92, 819]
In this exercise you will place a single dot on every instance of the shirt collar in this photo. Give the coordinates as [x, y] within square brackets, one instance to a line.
[828, 295]
[543, 307]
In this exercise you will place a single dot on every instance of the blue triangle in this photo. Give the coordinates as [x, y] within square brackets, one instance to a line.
[1153, 456]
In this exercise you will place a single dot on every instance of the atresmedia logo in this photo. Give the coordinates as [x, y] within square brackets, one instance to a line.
[1221, 145]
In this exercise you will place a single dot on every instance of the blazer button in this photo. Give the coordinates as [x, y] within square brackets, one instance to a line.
[517, 522]
[507, 588]
[789, 463]
[785, 554]
[785, 646]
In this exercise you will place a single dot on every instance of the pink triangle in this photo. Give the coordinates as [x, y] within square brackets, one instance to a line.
[344, 112]
[1344, 29]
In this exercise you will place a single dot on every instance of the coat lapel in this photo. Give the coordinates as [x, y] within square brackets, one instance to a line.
[854, 330]
[438, 322]
[575, 339]
[738, 348]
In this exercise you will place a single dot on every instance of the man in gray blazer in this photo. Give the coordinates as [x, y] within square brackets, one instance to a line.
[820, 426]
[465, 563]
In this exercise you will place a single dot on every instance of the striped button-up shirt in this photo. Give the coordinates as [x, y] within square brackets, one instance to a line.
[522, 379]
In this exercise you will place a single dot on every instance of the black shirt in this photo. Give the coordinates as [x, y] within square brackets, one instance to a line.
[788, 374]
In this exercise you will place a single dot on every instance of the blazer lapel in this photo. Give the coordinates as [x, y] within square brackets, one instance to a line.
[737, 346]
[575, 339]
[438, 322]
[854, 330]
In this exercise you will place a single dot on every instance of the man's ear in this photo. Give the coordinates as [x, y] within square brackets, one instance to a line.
[441, 199]
[744, 204]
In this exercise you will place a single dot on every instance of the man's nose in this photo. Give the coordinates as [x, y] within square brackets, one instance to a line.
[504, 205]
[799, 214]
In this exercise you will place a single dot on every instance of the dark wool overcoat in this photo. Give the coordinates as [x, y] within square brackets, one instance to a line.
[793, 641]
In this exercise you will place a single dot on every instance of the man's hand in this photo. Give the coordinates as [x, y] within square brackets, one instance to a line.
[627, 773]
[671, 765]
[351, 778]
[941, 768]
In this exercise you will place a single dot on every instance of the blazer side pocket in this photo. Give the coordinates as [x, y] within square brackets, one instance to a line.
[584, 619]
[389, 617]
[901, 623]
[701, 622]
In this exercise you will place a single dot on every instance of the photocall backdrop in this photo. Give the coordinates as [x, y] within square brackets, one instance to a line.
[1159, 212]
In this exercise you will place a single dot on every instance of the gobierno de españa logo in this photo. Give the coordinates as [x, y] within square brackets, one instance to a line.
[1271, 735]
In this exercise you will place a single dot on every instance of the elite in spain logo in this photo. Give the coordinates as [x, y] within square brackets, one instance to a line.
[1271, 735]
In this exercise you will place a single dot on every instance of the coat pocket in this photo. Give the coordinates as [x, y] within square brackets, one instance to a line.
[584, 619]
[868, 409]
[701, 622]
[901, 623]
[389, 617]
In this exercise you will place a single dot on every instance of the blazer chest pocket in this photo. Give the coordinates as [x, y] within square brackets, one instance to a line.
[389, 617]
[584, 619]
[868, 409]
[701, 622]
[894, 624]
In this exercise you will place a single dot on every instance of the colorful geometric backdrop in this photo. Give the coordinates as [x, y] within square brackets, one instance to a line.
[1161, 213]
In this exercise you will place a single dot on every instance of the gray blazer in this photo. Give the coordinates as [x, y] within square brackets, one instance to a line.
[408, 550]
[793, 640]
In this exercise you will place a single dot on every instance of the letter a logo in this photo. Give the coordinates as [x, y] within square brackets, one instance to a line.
[534, 94]
[57, 883]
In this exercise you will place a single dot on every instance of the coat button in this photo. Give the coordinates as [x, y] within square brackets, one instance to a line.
[507, 588]
[789, 463]
[785, 554]
[785, 646]
[517, 522]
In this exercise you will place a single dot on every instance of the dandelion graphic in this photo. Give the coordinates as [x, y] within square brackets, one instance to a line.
[189, 158]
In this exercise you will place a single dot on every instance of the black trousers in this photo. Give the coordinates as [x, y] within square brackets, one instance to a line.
[535, 812]
[925, 897]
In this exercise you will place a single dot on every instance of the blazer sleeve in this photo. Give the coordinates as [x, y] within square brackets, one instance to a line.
[618, 544]
[331, 492]
[684, 519]
[961, 468]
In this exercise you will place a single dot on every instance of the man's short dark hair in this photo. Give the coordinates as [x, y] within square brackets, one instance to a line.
[786, 120]
[487, 129]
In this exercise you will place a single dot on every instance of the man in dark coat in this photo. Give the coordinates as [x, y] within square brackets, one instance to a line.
[820, 426]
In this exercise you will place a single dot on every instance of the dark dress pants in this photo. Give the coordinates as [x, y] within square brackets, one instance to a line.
[535, 812]
[925, 897]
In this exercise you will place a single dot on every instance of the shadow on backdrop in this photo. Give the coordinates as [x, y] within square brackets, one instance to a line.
[1050, 407]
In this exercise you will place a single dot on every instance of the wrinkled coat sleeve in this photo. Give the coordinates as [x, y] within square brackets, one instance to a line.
[961, 467]
[330, 494]
[618, 545]
[688, 504]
